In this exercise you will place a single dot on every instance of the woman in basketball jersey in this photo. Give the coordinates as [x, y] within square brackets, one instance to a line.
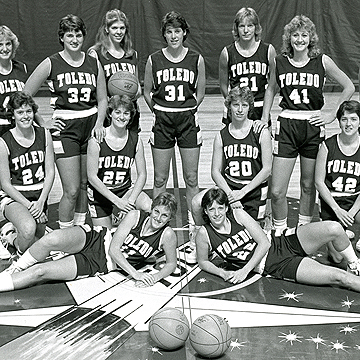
[174, 87]
[248, 61]
[78, 90]
[300, 74]
[94, 251]
[13, 73]
[113, 48]
[27, 171]
[337, 173]
[109, 164]
[237, 238]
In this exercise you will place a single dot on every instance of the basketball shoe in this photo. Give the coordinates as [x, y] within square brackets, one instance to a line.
[8, 235]
[354, 267]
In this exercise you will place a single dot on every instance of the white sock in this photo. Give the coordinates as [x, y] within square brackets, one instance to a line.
[304, 219]
[349, 254]
[79, 218]
[25, 261]
[280, 225]
[6, 283]
[66, 224]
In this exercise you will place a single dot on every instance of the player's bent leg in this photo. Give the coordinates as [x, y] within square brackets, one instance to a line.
[143, 202]
[105, 221]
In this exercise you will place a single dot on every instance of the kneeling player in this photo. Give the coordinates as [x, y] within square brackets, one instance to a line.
[238, 239]
[94, 251]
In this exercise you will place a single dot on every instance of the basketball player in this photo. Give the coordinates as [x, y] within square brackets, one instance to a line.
[27, 171]
[237, 238]
[77, 83]
[96, 251]
[300, 74]
[109, 163]
[113, 48]
[13, 73]
[337, 173]
[248, 61]
[174, 87]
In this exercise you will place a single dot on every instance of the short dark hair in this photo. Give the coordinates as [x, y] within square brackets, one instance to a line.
[17, 100]
[213, 194]
[70, 22]
[168, 200]
[351, 106]
[174, 19]
[125, 101]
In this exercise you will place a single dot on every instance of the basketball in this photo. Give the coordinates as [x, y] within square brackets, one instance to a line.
[123, 83]
[169, 328]
[210, 335]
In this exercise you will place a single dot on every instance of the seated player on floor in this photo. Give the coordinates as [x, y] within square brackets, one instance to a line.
[97, 251]
[237, 238]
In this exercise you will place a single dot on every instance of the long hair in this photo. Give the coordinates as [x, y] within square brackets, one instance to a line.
[70, 22]
[175, 20]
[213, 194]
[251, 15]
[304, 23]
[102, 41]
[7, 34]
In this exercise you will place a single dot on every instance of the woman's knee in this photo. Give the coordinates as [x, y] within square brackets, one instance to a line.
[191, 178]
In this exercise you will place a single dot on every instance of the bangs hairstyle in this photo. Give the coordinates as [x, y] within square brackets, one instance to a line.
[251, 15]
[7, 34]
[300, 22]
[168, 200]
[351, 106]
[17, 100]
[242, 94]
[102, 40]
[213, 194]
[176, 20]
[70, 22]
[125, 101]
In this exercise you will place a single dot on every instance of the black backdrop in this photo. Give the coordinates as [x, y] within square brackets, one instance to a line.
[35, 23]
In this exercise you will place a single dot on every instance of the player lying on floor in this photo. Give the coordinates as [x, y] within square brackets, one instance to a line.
[97, 251]
[237, 238]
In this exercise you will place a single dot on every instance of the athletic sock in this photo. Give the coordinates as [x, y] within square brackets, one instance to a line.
[6, 283]
[280, 225]
[304, 219]
[349, 254]
[79, 218]
[25, 261]
[66, 224]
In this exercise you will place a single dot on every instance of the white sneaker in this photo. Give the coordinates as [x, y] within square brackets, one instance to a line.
[354, 267]
[8, 234]
[190, 257]
[350, 234]
[12, 269]
[357, 246]
[4, 252]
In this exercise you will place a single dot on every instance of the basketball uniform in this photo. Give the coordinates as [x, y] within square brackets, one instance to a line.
[27, 166]
[115, 172]
[241, 162]
[111, 65]
[249, 71]
[9, 84]
[74, 99]
[174, 97]
[301, 91]
[342, 178]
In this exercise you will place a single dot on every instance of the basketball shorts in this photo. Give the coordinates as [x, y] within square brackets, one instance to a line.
[99, 205]
[295, 137]
[171, 127]
[284, 256]
[327, 213]
[93, 258]
[73, 139]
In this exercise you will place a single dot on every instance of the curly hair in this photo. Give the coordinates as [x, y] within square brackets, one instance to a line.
[304, 23]
[70, 22]
[168, 200]
[251, 15]
[121, 100]
[240, 93]
[7, 34]
[102, 41]
[17, 100]
[175, 20]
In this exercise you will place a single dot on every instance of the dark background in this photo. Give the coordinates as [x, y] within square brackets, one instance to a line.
[35, 23]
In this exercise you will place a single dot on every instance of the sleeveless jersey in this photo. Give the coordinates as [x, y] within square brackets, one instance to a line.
[174, 84]
[111, 64]
[301, 88]
[115, 165]
[249, 71]
[27, 164]
[342, 171]
[137, 248]
[10, 83]
[242, 157]
[236, 247]
[73, 88]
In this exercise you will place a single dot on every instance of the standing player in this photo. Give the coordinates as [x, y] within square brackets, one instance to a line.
[238, 239]
[337, 173]
[300, 74]
[113, 48]
[109, 163]
[77, 84]
[13, 73]
[248, 61]
[174, 87]
[27, 171]
[95, 251]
